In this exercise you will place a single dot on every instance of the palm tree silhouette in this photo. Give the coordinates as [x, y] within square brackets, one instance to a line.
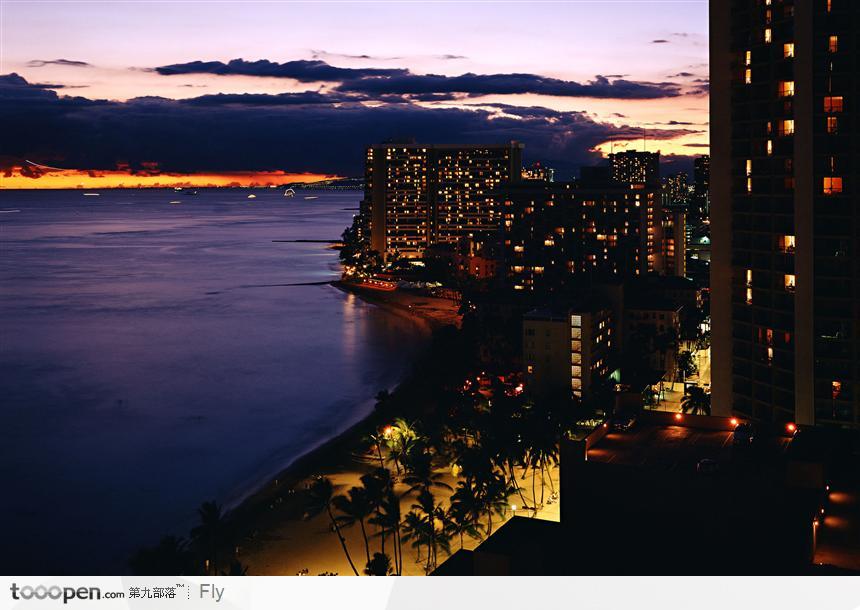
[460, 521]
[170, 556]
[206, 536]
[356, 507]
[380, 565]
[320, 500]
[696, 401]
[419, 471]
[378, 484]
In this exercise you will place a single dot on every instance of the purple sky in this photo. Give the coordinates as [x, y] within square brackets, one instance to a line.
[643, 42]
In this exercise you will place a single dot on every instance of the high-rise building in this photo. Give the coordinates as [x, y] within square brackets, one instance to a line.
[417, 195]
[538, 172]
[676, 190]
[636, 169]
[785, 278]
[558, 234]
[701, 185]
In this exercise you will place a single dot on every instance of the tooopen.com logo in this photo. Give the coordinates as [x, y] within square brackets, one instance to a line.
[57, 593]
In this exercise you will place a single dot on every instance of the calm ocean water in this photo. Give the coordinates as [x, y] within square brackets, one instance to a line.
[154, 355]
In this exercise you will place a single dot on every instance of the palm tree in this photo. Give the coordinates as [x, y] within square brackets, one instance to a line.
[696, 401]
[435, 538]
[415, 531]
[376, 441]
[236, 569]
[356, 507]
[400, 438]
[387, 518]
[380, 565]
[419, 471]
[378, 484]
[170, 556]
[460, 521]
[494, 499]
[206, 536]
[319, 500]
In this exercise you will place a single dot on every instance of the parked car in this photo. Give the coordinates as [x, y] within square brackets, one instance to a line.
[744, 434]
[707, 466]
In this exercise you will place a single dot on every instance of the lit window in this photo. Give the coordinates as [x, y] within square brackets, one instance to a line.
[832, 185]
[786, 127]
[768, 35]
[749, 167]
[770, 355]
[530, 369]
[749, 277]
[748, 59]
[748, 76]
[749, 184]
[833, 44]
[833, 103]
[835, 389]
[787, 243]
[788, 49]
[789, 282]
[769, 147]
[749, 296]
[832, 124]
[786, 88]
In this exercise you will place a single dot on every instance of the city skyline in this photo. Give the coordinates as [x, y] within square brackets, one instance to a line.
[269, 99]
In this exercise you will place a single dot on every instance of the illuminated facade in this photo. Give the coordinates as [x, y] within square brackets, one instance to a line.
[554, 234]
[635, 168]
[784, 222]
[701, 185]
[539, 173]
[567, 350]
[418, 195]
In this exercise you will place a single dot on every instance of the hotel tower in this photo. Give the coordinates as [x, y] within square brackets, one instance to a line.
[785, 221]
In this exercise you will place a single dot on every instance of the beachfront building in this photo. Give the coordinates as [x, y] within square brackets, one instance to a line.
[785, 280]
[418, 195]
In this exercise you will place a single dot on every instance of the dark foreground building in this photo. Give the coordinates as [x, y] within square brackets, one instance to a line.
[675, 495]
[785, 276]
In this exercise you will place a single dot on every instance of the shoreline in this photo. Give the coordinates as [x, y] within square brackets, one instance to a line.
[253, 514]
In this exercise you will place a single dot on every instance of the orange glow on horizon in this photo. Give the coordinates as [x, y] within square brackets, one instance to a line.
[78, 179]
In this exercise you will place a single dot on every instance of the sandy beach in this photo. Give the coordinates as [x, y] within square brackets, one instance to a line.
[273, 539]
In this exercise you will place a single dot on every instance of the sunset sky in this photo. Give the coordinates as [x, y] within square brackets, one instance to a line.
[198, 92]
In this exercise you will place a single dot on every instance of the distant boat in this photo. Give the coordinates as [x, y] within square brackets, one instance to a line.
[289, 193]
[175, 201]
[252, 196]
[311, 197]
[91, 194]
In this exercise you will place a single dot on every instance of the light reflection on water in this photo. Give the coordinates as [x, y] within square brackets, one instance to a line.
[152, 358]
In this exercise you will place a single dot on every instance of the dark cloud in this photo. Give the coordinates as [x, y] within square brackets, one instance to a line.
[697, 145]
[312, 131]
[681, 75]
[660, 41]
[449, 56]
[398, 81]
[317, 53]
[41, 63]
[303, 70]
[508, 84]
